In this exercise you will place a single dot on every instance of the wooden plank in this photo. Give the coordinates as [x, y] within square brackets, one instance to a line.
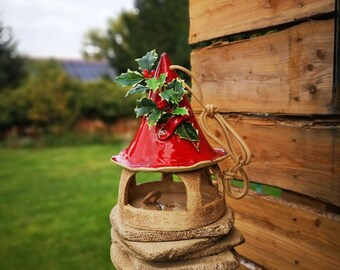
[247, 264]
[288, 72]
[303, 200]
[218, 18]
[297, 155]
[285, 236]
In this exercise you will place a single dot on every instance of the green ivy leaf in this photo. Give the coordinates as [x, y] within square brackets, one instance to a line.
[147, 61]
[144, 106]
[129, 78]
[138, 89]
[187, 131]
[161, 79]
[154, 83]
[181, 111]
[171, 96]
[154, 116]
[178, 87]
[174, 92]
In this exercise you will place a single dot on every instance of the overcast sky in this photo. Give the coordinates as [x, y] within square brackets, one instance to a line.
[45, 28]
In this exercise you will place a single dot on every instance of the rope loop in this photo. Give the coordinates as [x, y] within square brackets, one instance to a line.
[228, 175]
[211, 110]
[231, 142]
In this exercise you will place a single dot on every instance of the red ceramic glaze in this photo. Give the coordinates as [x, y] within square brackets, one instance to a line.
[166, 130]
[163, 67]
[161, 104]
[158, 147]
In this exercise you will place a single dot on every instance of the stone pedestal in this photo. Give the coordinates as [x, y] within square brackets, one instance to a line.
[205, 248]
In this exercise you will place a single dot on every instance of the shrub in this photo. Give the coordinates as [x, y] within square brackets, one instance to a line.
[104, 100]
[50, 102]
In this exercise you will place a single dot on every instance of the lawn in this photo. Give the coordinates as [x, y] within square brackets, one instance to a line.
[54, 207]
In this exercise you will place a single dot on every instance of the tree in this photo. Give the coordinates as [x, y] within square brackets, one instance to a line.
[155, 24]
[12, 65]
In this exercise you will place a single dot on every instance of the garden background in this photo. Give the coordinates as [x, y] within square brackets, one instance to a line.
[58, 133]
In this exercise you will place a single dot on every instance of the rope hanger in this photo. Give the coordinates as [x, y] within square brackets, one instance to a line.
[230, 136]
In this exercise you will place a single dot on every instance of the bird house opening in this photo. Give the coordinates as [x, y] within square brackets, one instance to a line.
[182, 196]
[157, 191]
[172, 191]
[210, 187]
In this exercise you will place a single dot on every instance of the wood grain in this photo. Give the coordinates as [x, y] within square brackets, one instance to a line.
[218, 18]
[288, 72]
[284, 236]
[297, 155]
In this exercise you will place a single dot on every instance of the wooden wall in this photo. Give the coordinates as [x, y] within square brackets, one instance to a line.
[268, 66]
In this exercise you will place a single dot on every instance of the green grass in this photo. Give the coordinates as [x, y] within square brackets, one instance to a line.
[54, 207]
[55, 203]
[260, 188]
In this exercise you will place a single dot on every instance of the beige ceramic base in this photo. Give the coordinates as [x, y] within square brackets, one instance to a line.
[120, 259]
[162, 251]
[216, 229]
[178, 250]
[233, 239]
[227, 260]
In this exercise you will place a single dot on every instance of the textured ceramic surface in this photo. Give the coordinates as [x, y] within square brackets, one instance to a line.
[216, 229]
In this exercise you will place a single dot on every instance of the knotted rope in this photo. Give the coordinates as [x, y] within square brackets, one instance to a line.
[230, 135]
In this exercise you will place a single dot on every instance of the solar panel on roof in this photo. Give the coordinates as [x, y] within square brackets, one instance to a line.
[87, 70]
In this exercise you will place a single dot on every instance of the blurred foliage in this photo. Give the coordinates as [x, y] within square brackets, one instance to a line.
[50, 102]
[12, 65]
[154, 24]
[105, 100]
[40, 98]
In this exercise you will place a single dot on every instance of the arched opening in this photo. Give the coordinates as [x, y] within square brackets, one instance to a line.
[156, 204]
[157, 191]
[210, 188]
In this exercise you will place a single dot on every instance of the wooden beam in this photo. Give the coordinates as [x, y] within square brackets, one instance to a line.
[218, 18]
[289, 72]
[336, 86]
[299, 198]
[298, 155]
[285, 236]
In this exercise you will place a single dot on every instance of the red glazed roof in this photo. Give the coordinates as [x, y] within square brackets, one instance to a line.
[147, 152]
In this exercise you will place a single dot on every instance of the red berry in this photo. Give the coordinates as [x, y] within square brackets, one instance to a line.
[161, 104]
[152, 72]
[145, 73]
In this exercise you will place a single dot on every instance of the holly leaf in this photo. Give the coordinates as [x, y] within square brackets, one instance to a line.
[178, 87]
[181, 111]
[171, 96]
[154, 116]
[187, 131]
[144, 106]
[129, 78]
[152, 83]
[155, 83]
[147, 61]
[161, 79]
[174, 92]
[138, 89]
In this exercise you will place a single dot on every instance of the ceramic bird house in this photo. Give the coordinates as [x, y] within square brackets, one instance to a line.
[183, 213]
